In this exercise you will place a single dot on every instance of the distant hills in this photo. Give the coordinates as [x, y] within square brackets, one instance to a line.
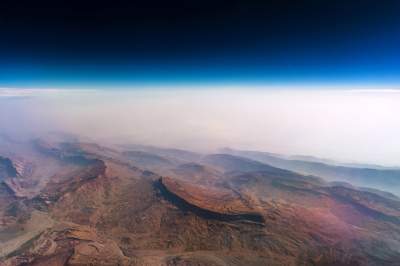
[382, 178]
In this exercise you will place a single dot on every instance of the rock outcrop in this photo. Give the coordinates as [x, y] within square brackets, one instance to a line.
[222, 204]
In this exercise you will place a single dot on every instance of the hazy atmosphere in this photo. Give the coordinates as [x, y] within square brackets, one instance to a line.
[348, 124]
[200, 133]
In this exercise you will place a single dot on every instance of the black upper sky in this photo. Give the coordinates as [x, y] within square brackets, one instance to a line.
[199, 40]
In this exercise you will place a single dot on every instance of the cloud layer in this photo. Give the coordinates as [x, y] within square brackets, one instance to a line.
[352, 125]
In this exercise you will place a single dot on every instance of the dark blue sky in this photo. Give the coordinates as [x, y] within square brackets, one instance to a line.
[48, 44]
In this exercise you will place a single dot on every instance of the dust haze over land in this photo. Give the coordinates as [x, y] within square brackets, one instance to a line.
[72, 197]
[348, 125]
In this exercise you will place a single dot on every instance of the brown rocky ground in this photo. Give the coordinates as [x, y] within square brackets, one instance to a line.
[94, 206]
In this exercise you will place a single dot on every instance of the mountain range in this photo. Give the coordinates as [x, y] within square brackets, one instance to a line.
[76, 203]
[362, 175]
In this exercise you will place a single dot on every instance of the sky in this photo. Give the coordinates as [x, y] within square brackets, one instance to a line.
[51, 44]
[296, 77]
